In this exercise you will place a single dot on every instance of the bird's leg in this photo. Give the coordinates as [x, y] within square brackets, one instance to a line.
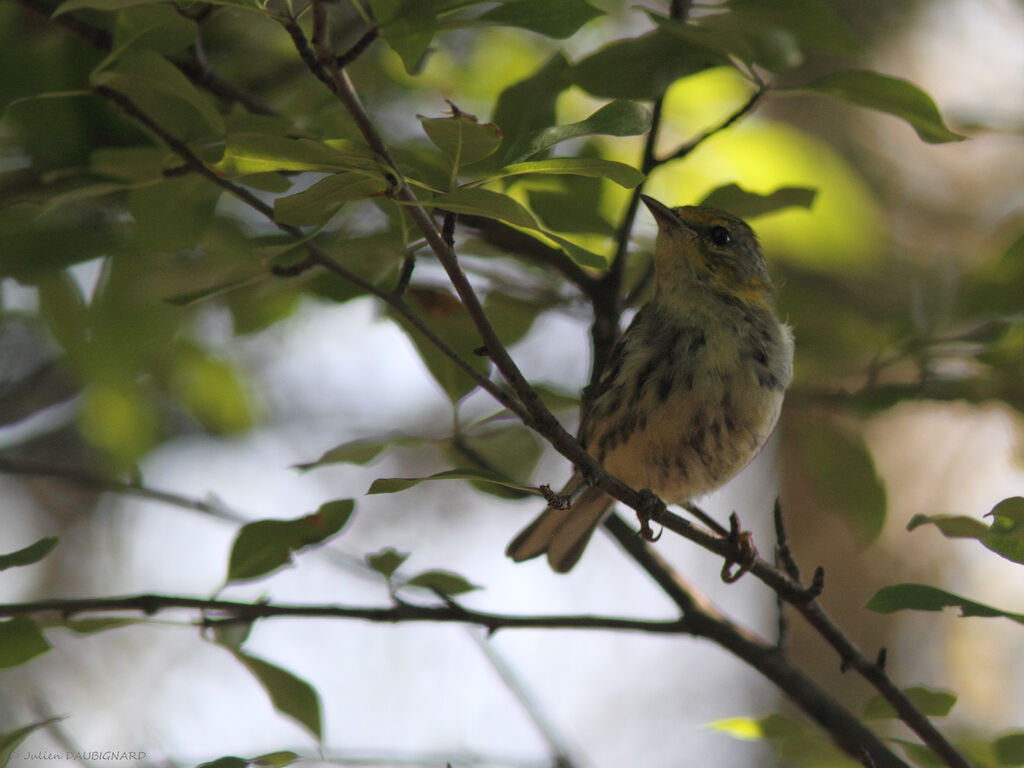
[650, 508]
[743, 544]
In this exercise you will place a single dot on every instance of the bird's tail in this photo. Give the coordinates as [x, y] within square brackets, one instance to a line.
[563, 533]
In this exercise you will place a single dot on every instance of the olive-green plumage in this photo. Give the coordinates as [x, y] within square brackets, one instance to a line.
[693, 388]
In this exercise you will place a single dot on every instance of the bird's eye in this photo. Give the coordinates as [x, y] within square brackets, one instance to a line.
[719, 236]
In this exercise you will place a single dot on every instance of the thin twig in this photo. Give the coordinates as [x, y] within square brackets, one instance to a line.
[219, 612]
[743, 111]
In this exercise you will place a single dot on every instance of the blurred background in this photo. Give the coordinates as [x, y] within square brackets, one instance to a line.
[903, 284]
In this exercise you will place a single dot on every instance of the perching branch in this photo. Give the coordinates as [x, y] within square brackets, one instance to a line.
[543, 422]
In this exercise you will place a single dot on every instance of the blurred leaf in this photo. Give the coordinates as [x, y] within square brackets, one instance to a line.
[20, 641]
[11, 739]
[929, 701]
[397, 484]
[98, 5]
[445, 582]
[891, 95]
[175, 213]
[564, 212]
[211, 291]
[995, 286]
[270, 760]
[232, 635]
[461, 137]
[511, 317]
[1005, 537]
[129, 163]
[617, 118]
[484, 202]
[797, 743]
[843, 473]
[264, 546]
[92, 625]
[159, 89]
[290, 695]
[211, 390]
[52, 127]
[160, 28]
[528, 107]
[323, 199]
[33, 553]
[407, 26]
[446, 316]
[120, 419]
[1009, 749]
[387, 561]
[246, 153]
[580, 255]
[921, 597]
[922, 756]
[553, 19]
[812, 22]
[510, 451]
[361, 451]
[620, 173]
[642, 68]
[739, 202]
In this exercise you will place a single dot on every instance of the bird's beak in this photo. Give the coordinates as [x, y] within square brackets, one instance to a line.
[664, 215]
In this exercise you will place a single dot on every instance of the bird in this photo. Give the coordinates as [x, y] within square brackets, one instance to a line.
[692, 389]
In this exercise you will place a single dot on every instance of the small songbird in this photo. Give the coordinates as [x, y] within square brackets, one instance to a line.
[692, 389]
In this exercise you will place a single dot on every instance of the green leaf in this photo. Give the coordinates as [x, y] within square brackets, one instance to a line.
[747, 205]
[232, 635]
[97, 5]
[92, 625]
[175, 213]
[160, 90]
[512, 317]
[891, 95]
[812, 22]
[247, 153]
[617, 118]
[843, 473]
[528, 106]
[445, 582]
[510, 447]
[1005, 536]
[622, 174]
[20, 640]
[558, 19]
[33, 553]
[190, 298]
[290, 695]
[484, 202]
[160, 28]
[264, 546]
[1009, 749]
[580, 255]
[461, 137]
[921, 597]
[449, 319]
[397, 484]
[931, 703]
[643, 67]
[387, 561]
[11, 739]
[361, 451]
[323, 199]
[129, 163]
[408, 27]
[270, 760]
[562, 211]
